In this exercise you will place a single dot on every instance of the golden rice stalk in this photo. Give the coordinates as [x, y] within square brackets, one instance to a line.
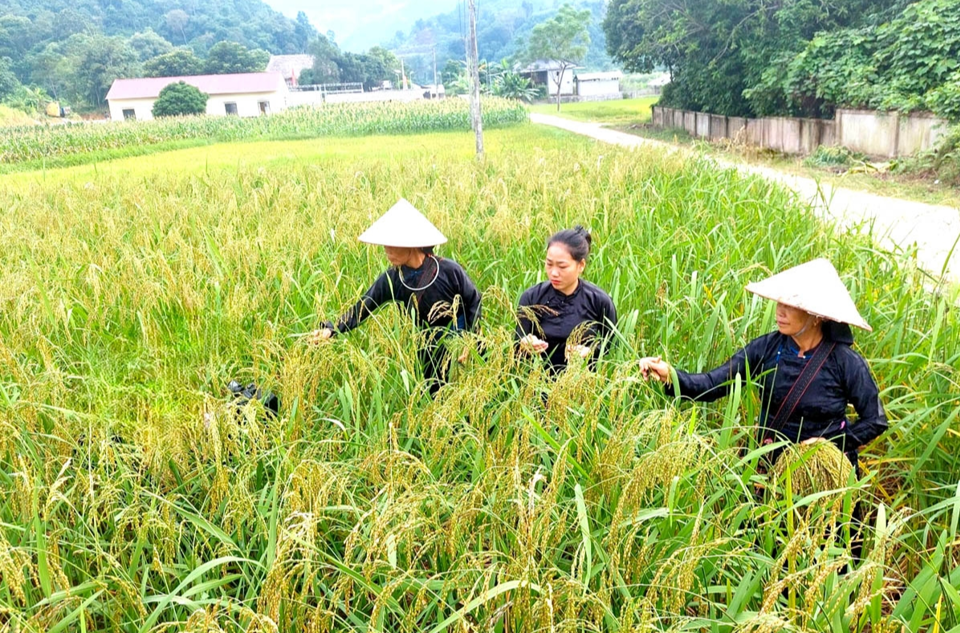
[814, 468]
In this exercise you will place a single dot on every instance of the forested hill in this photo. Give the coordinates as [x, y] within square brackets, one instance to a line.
[72, 50]
[502, 29]
[27, 26]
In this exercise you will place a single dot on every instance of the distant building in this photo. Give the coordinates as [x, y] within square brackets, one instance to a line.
[547, 73]
[290, 67]
[243, 94]
[599, 84]
[657, 84]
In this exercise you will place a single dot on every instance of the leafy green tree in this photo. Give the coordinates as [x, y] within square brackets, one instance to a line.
[176, 21]
[180, 62]
[325, 68]
[15, 35]
[8, 81]
[727, 57]
[390, 62]
[563, 38]
[149, 44]
[94, 62]
[30, 99]
[52, 69]
[303, 32]
[231, 57]
[179, 99]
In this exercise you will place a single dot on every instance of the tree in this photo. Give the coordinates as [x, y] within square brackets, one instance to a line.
[8, 81]
[231, 57]
[179, 99]
[325, 68]
[176, 21]
[95, 61]
[729, 57]
[180, 62]
[303, 32]
[29, 99]
[391, 63]
[563, 39]
[149, 44]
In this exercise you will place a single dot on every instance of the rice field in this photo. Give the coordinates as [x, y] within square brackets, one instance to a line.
[134, 498]
[613, 112]
[36, 143]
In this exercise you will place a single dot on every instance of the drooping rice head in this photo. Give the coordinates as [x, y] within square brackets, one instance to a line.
[810, 469]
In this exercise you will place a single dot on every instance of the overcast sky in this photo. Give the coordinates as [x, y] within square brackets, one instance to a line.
[360, 24]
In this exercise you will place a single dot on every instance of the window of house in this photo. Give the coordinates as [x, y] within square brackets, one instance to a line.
[264, 107]
[231, 108]
[129, 113]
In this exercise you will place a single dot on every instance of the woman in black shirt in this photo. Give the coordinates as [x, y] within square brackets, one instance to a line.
[813, 313]
[566, 315]
[437, 290]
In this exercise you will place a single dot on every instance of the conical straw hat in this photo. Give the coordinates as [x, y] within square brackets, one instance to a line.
[403, 226]
[814, 287]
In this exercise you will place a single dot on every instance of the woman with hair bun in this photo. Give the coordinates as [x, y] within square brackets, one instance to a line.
[565, 316]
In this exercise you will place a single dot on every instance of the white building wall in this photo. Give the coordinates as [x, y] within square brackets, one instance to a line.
[599, 87]
[141, 107]
[248, 105]
[566, 86]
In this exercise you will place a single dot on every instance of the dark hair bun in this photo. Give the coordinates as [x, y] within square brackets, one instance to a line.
[584, 233]
[577, 241]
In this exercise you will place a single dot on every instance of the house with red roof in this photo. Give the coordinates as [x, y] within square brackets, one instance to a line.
[241, 94]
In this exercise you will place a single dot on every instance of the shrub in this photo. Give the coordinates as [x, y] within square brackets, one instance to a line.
[180, 99]
[833, 157]
[945, 99]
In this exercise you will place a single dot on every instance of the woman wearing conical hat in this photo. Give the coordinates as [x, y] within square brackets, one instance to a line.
[436, 289]
[806, 369]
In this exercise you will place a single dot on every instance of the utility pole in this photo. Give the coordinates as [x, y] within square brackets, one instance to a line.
[436, 86]
[474, 70]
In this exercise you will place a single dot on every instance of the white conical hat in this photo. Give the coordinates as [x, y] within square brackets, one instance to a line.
[403, 226]
[814, 287]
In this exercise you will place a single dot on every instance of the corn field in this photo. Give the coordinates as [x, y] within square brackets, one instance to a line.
[34, 143]
[135, 498]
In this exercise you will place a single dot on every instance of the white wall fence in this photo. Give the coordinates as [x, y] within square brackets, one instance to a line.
[317, 98]
[885, 134]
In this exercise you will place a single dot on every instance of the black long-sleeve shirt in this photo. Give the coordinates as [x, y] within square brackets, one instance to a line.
[445, 285]
[774, 362]
[553, 316]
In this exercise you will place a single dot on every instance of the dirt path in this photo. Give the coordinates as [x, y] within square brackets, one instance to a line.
[897, 224]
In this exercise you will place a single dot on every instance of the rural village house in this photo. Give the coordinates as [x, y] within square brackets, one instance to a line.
[599, 84]
[242, 94]
[290, 66]
[547, 73]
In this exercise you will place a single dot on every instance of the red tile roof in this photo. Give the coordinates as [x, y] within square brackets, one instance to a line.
[241, 83]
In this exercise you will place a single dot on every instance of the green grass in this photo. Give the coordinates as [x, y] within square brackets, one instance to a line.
[616, 112]
[134, 499]
[11, 117]
[861, 177]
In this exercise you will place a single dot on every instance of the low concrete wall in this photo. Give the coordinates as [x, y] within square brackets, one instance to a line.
[690, 122]
[703, 125]
[657, 117]
[718, 127]
[888, 134]
[884, 134]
